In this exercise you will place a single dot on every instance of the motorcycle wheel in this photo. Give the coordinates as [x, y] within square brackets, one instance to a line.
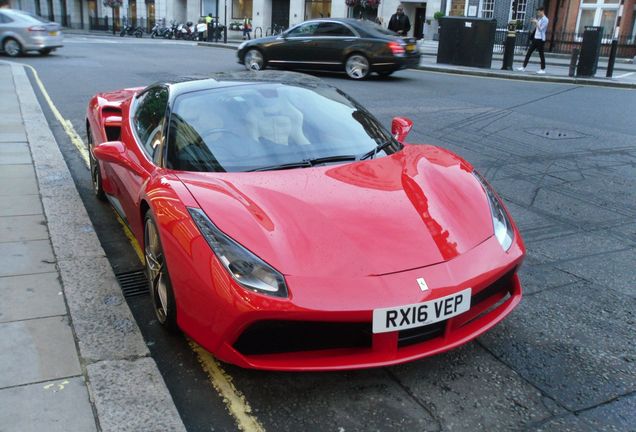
[138, 34]
[152, 35]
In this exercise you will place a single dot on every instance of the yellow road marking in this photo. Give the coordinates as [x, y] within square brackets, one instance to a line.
[222, 382]
[236, 404]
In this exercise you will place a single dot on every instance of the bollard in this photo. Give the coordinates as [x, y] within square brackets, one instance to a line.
[509, 46]
[573, 60]
[612, 59]
[224, 34]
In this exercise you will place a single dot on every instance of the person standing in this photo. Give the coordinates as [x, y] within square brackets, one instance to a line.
[247, 28]
[399, 22]
[539, 30]
[208, 25]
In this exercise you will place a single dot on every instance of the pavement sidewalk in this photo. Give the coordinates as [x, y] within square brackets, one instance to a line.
[71, 355]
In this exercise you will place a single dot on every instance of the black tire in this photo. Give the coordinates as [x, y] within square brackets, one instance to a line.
[122, 33]
[152, 35]
[138, 34]
[12, 47]
[254, 60]
[163, 302]
[357, 66]
[96, 175]
[46, 51]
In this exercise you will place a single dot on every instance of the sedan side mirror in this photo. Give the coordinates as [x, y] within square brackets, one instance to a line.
[400, 127]
[114, 152]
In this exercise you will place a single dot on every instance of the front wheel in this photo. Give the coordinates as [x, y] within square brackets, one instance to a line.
[152, 35]
[158, 278]
[357, 67]
[96, 175]
[138, 34]
[254, 60]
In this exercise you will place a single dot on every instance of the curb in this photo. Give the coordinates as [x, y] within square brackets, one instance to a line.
[125, 386]
[551, 79]
[229, 45]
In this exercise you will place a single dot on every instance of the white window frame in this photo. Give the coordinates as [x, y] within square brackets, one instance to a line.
[482, 9]
[525, 10]
[599, 7]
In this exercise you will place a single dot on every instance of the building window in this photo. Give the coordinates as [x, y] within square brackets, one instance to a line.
[317, 9]
[598, 13]
[519, 10]
[488, 9]
[241, 9]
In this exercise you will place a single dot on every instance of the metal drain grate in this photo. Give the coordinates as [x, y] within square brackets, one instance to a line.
[556, 134]
[133, 283]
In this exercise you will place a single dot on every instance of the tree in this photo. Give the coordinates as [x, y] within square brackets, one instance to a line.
[113, 4]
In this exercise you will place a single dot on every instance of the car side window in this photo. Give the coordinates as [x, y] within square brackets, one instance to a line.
[5, 19]
[148, 119]
[304, 30]
[333, 29]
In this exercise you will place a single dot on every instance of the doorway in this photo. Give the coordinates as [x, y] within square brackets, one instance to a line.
[280, 15]
[420, 19]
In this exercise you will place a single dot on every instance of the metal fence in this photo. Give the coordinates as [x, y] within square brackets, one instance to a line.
[106, 23]
[564, 43]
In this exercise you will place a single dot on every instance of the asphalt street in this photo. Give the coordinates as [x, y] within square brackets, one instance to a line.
[564, 159]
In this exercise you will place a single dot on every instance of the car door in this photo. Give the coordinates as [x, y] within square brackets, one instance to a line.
[296, 47]
[332, 39]
[147, 121]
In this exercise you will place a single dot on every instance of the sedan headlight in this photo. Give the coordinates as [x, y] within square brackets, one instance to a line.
[246, 268]
[503, 228]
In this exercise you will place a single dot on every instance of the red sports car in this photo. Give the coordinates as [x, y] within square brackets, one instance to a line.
[285, 228]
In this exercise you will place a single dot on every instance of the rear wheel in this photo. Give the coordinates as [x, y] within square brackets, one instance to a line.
[96, 175]
[357, 67]
[254, 60]
[12, 47]
[158, 278]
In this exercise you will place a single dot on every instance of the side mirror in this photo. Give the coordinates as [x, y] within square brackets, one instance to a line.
[400, 127]
[114, 152]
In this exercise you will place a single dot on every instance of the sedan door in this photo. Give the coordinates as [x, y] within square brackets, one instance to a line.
[296, 47]
[331, 42]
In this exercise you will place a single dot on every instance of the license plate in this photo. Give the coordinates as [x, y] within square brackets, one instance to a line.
[420, 314]
[52, 33]
[410, 48]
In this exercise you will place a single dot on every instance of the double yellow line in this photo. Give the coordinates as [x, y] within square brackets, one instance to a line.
[234, 400]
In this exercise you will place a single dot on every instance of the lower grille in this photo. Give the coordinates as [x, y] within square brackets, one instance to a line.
[503, 285]
[275, 337]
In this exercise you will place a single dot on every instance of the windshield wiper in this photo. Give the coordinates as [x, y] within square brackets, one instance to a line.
[375, 151]
[306, 163]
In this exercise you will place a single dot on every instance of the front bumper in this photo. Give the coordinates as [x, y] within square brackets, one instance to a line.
[231, 335]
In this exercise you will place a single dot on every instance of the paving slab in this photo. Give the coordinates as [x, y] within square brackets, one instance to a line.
[365, 400]
[559, 340]
[104, 326]
[53, 406]
[31, 296]
[23, 228]
[26, 257]
[19, 171]
[13, 152]
[130, 395]
[37, 350]
[24, 205]
[18, 185]
[448, 384]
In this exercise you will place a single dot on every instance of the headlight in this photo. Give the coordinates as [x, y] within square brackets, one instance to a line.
[242, 45]
[246, 268]
[500, 221]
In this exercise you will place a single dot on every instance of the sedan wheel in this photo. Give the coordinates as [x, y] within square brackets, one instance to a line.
[357, 67]
[254, 60]
[12, 47]
[158, 277]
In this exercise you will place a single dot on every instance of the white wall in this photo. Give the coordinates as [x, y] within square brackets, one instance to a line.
[261, 15]
[296, 12]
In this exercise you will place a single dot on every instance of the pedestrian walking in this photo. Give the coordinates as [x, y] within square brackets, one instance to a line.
[399, 22]
[538, 33]
[247, 28]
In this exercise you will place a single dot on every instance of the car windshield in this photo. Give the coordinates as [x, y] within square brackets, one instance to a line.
[268, 125]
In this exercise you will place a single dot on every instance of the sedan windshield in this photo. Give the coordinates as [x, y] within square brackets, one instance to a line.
[269, 126]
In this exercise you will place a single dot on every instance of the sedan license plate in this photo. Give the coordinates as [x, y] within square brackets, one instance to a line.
[410, 48]
[52, 33]
[420, 314]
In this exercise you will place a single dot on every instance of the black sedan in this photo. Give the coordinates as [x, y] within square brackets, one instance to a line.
[357, 46]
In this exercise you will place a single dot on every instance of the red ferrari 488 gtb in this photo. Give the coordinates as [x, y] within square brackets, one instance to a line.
[285, 228]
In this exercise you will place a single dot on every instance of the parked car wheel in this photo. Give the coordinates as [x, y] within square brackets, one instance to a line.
[254, 60]
[12, 47]
[46, 51]
[357, 67]
[158, 278]
[96, 175]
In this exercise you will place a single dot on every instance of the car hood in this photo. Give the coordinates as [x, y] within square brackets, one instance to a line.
[415, 208]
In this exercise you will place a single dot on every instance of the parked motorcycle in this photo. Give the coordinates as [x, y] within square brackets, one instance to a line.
[129, 30]
[160, 31]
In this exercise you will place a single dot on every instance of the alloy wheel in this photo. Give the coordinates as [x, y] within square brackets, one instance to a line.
[357, 67]
[254, 60]
[156, 272]
[12, 47]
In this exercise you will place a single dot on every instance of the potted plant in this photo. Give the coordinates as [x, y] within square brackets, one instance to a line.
[435, 24]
